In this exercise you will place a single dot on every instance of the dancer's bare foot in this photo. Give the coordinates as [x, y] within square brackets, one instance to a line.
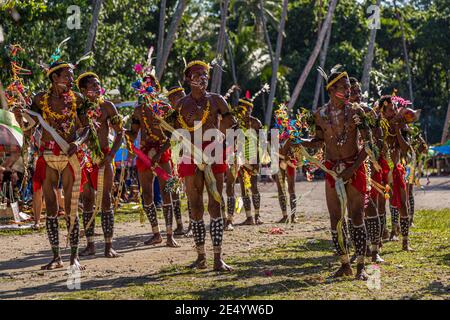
[361, 273]
[36, 226]
[283, 220]
[258, 219]
[89, 250]
[110, 252]
[179, 230]
[56, 263]
[394, 235]
[248, 222]
[344, 270]
[405, 246]
[229, 225]
[75, 263]
[171, 242]
[376, 257]
[200, 263]
[294, 219]
[220, 265]
[155, 239]
[385, 235]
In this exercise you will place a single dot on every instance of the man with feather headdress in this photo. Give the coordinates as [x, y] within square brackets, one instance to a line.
[100, 114]
[198, 112]
[338, 128]
[60, 154]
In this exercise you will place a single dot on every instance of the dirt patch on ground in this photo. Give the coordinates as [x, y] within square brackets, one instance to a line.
[22, 256]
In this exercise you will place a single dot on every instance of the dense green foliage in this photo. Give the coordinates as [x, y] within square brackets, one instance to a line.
[127, 28]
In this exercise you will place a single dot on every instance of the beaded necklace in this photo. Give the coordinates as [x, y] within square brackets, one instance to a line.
[184, 125]
[66, 119]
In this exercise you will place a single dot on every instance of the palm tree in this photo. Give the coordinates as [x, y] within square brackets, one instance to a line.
[162, 17]
[94, 24]
[314, 54]
[275, 64]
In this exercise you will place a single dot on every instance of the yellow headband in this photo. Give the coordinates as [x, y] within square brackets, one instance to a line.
[245, 102]
[197, 63]
[343, 74]
[84, 75]
[174, 91]
[59, 66]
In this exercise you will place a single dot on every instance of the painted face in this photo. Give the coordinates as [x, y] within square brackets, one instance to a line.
[65, 78]
[93, 88]
[341, 90]
[390, 110]
[198, 76]
[355, 93]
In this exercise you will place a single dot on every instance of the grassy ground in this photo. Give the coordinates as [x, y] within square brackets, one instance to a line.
[301, 270]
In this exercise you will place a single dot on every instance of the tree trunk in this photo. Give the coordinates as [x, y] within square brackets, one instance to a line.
[446, 125]
[405, 54]
[323, 58]
[314, 54]
[365, 80]
[235, 94]
[266, 32]
[168, 42]
[216, 81]
[160, 49]
[273, 81]
[93, 29]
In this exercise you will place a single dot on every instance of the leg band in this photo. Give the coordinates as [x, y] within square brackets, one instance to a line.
[231, 204]
[394, 215]
[373, 229]
[404, 226]
[283, 204]
[89, 232]
[199, 232]
[108, 225]
[360, 240]
[168, 217]
[256, 198]
[177, 210]
[216, 231]
[247, 206]
[52, 227]
[293, 203]
[339, 250]
[150, 211]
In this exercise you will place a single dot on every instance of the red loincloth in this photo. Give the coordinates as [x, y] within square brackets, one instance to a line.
[358, 180]
[380, 176]
[41, 166]
[291, 170]
[165, 157]
[188, 169]
[398, 184]
[91, 170]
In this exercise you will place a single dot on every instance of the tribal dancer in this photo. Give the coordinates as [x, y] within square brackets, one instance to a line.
[288, 162]
[174, 95]
[419, 150]
[338, 127]
[198, 112]
[101, 114]
[393, 123]
[154, 150]
[56, 110]
[247, 173]
[373, 218]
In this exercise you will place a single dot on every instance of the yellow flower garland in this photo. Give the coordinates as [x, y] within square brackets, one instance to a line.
[199, 125]
[60, 117]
